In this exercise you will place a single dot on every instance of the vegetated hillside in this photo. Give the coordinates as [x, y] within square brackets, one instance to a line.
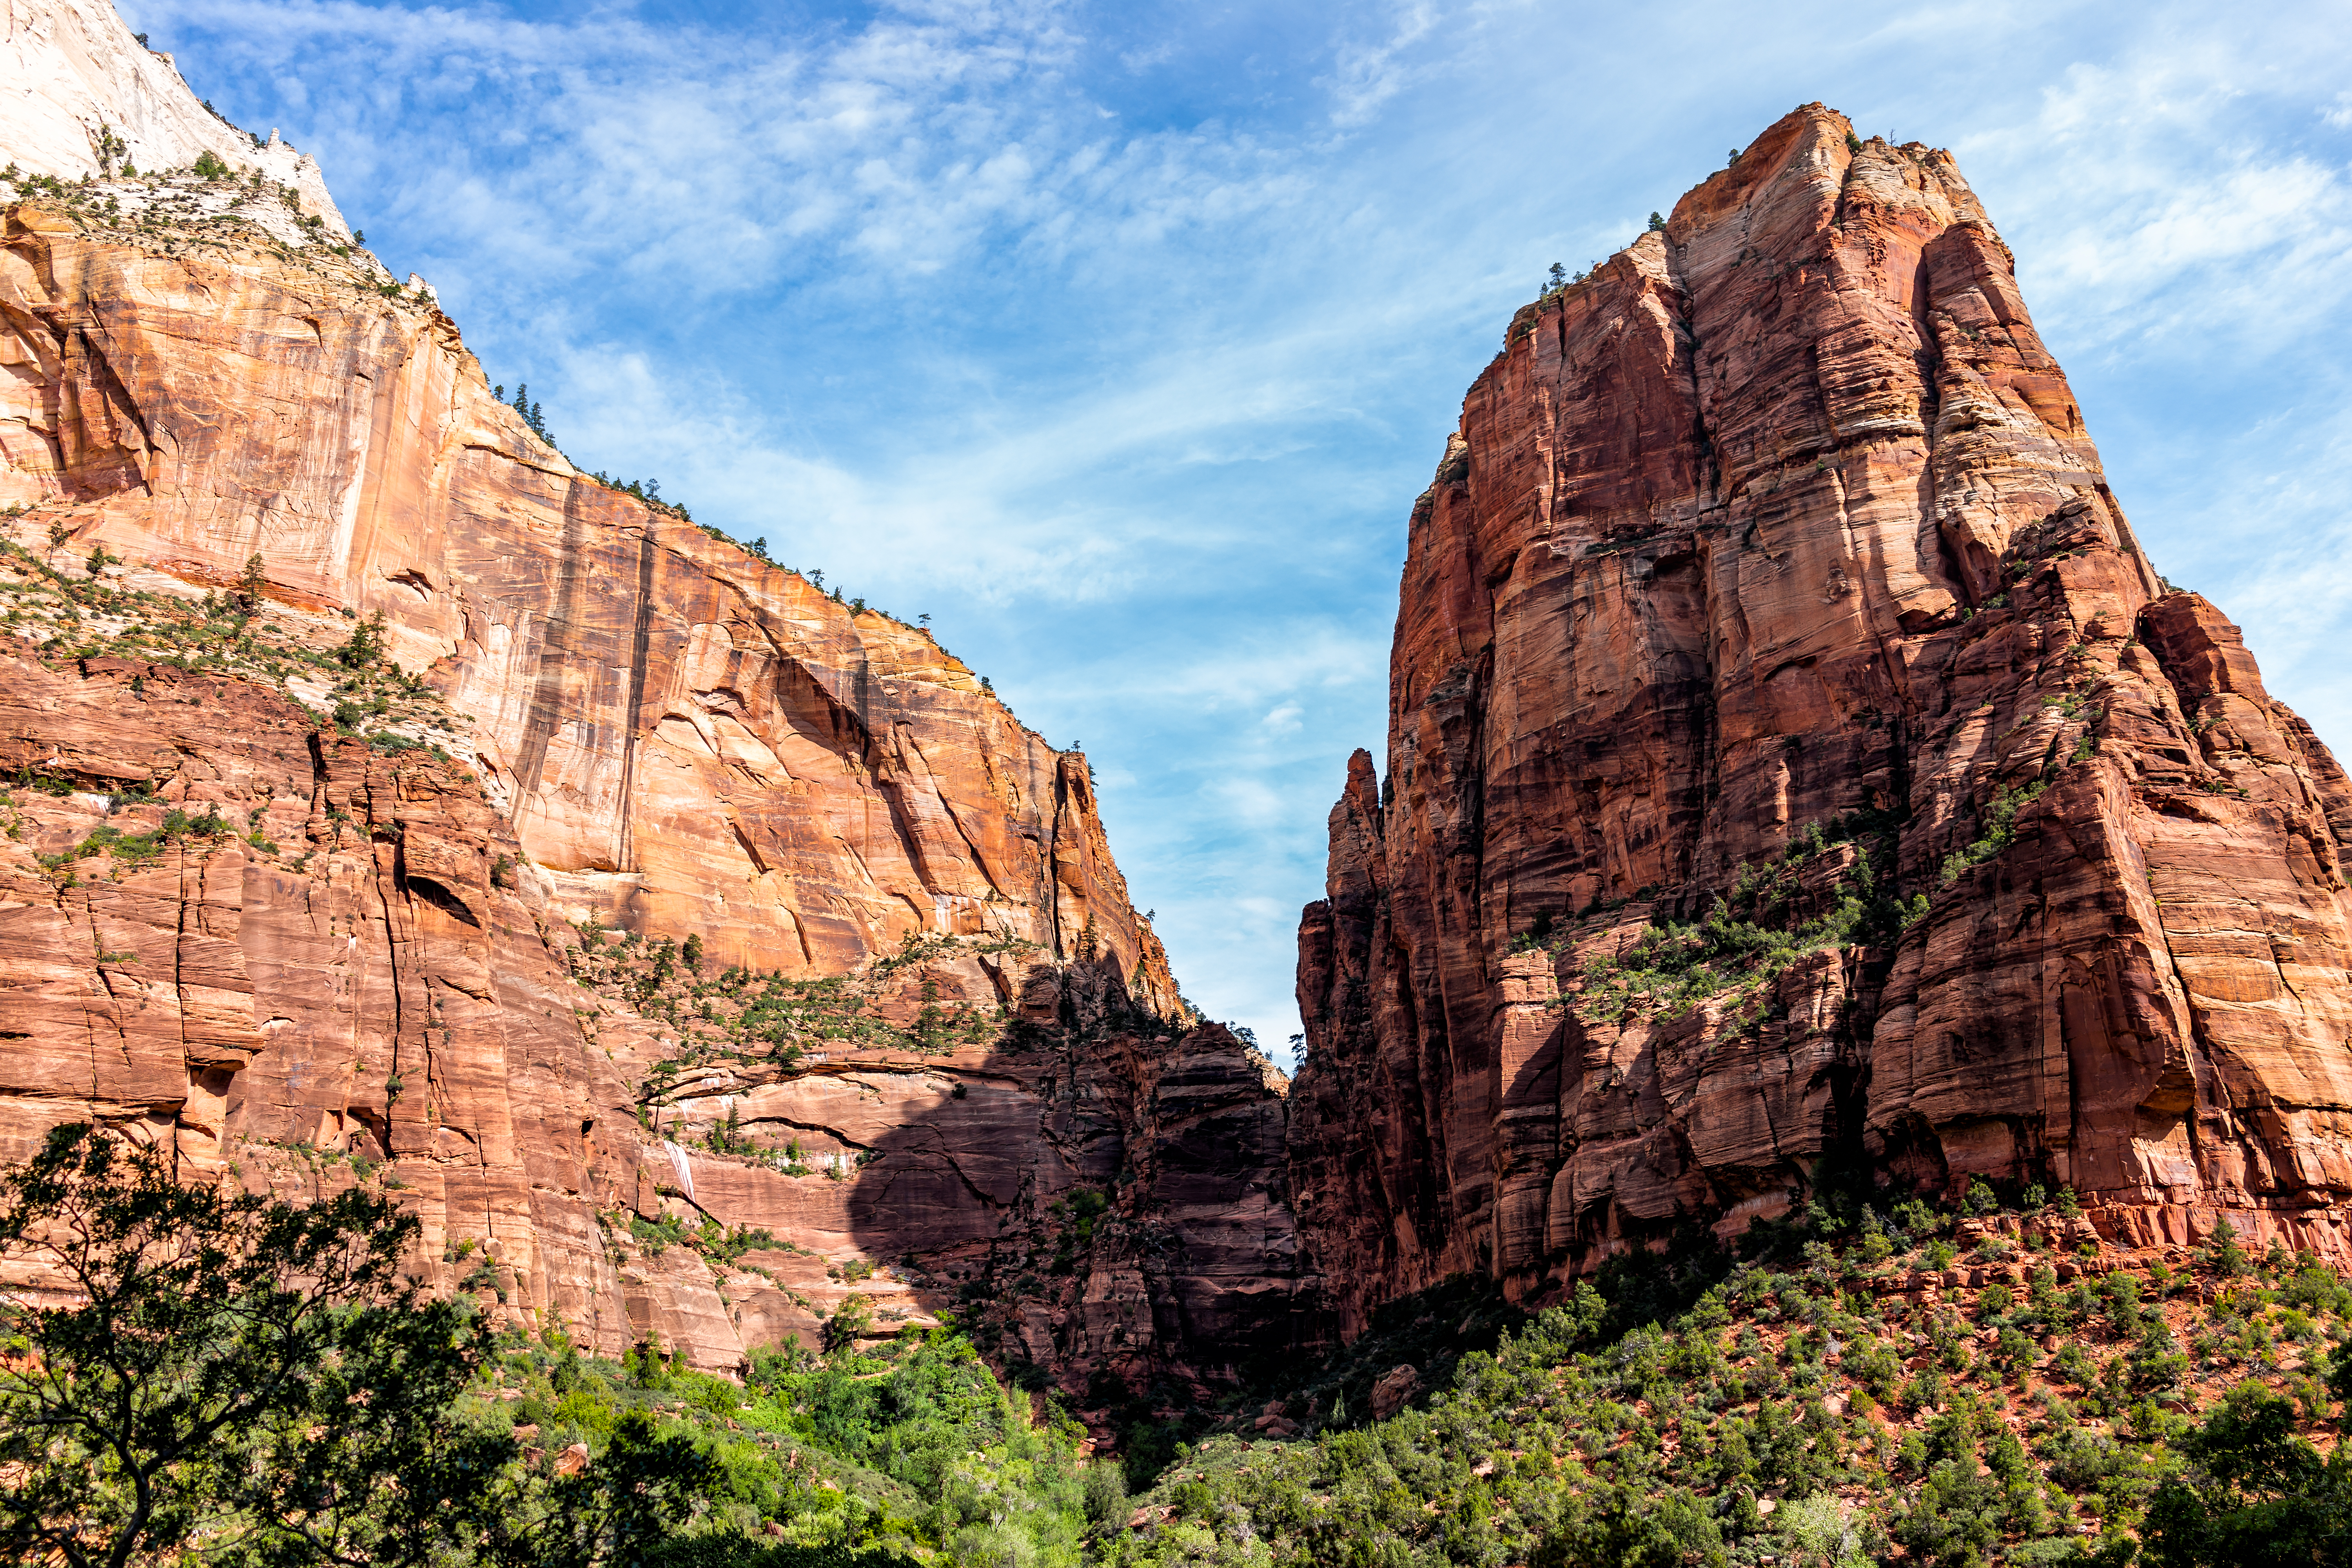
[1862, 1386]
[1792, 756]
[1906, 1386]
[904, 1452]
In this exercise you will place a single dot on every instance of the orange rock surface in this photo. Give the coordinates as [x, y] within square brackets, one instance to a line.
[369, 967]
[334, 969]
[366, 991]
[1785, 518]
[687, 738]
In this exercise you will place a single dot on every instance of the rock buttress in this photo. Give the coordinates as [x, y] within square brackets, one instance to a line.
[1783, 528]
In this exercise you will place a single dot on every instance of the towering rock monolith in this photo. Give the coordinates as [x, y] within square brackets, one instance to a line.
[1795, 766]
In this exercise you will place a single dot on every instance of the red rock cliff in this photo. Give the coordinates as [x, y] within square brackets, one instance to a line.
[1772, 572]
[687, 737]
[364, 966]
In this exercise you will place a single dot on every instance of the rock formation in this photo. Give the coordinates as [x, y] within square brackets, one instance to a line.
[398, 955]
[1773, 577]
[87, 99]
[688, 737]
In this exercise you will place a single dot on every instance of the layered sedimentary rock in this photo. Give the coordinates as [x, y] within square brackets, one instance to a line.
[368, 965]
[687, 738]
[362, 988]
[342, 974]
[1107, 1199]
[1785, 523]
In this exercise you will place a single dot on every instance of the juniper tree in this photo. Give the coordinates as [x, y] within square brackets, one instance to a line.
[263, 1382]
[249, 586]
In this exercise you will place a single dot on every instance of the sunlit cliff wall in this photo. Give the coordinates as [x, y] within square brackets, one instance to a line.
[1784, 520]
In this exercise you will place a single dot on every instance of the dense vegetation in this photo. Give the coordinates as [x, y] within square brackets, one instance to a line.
[240, 1381]
[251, 1383]
[1818, 1403]
[905, 1449]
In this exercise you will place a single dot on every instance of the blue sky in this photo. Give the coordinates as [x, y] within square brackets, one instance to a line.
[1120, 338]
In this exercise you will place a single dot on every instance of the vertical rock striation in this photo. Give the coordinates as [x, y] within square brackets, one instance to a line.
[375, 993]
[1775, 555]
[688, 738]
[371, 967]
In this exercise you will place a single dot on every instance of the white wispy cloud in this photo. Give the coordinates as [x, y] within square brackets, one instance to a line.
[1369, 73]
[1126, 362]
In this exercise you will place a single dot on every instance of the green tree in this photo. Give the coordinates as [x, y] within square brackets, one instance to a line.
[854, 1317]
[226, 1364]
[366, 646]
[2256, 1495]
[614, 1513]
[1670, 1530]
[249, 586]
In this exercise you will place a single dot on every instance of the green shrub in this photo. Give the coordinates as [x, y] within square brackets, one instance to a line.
[1999, 824]
[1752, 936]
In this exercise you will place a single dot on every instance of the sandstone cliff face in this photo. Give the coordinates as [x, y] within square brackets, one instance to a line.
[1104, 1199]
[332, 979]
[1785, 523]
[85, 99]
[687, 738]
[407, 968]
[362, 990]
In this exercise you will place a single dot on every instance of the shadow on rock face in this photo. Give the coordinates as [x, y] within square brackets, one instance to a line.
[1096, 1192]
[1097, 1196]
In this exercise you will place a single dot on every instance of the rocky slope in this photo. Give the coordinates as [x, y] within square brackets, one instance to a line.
[506, 733]
[86, 100]
[1772, 579]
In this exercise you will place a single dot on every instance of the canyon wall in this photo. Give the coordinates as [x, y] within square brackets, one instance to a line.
[347, 978]
[1772, 576]
[405, 957]
[687, 737]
